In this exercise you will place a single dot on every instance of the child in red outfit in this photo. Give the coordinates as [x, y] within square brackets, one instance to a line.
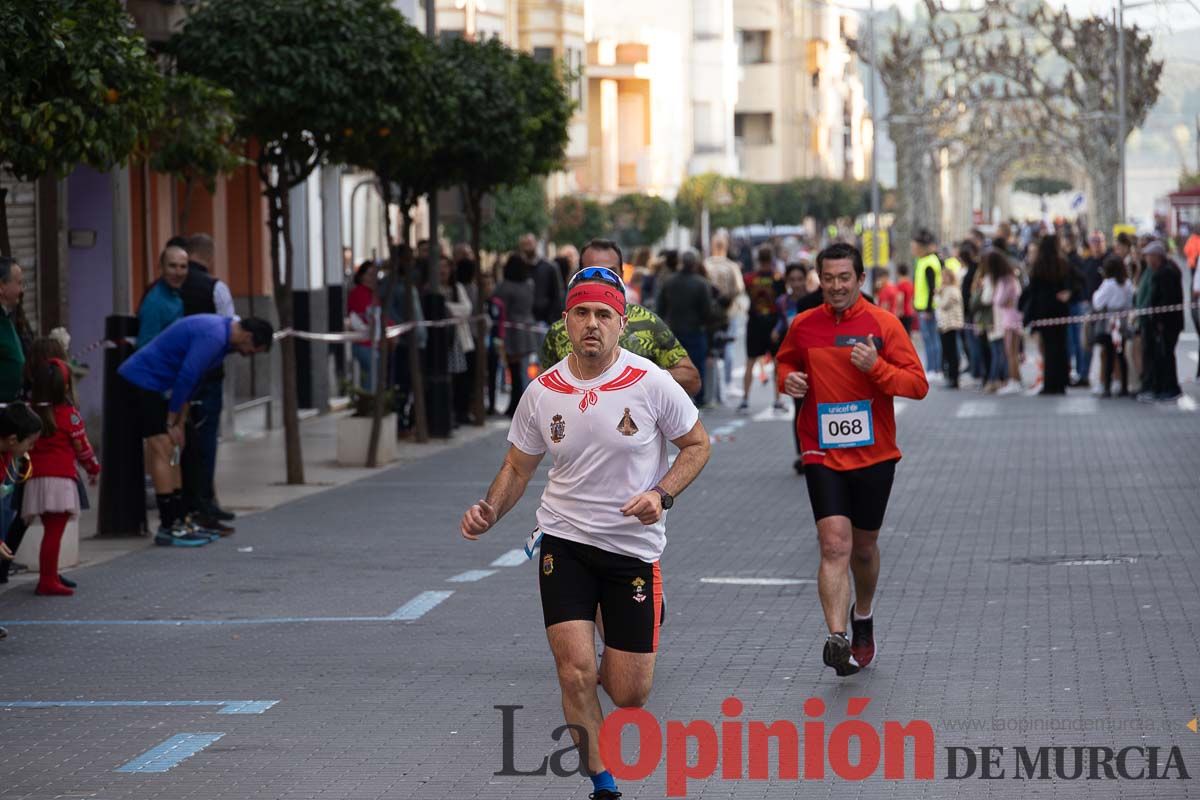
[53, 491]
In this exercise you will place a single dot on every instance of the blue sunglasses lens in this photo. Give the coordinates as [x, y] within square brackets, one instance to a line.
[599, 273]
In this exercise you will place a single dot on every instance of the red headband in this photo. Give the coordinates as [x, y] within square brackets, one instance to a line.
[597, 293]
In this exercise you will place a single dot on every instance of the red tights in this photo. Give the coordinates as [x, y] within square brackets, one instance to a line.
[53, 524]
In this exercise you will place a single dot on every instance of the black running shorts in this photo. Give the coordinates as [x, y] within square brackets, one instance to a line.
[576, 578]
[860, 494]
[151, 409]
[758, 337]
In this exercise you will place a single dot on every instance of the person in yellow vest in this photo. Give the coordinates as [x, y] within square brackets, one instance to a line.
[927, 281]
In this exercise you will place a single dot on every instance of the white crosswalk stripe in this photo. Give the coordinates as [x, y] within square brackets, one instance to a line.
[974, 409]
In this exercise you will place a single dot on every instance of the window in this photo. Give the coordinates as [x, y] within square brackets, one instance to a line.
[543, 55]
[449, 36]
[754, 47]
[753, 129]
[575, 63]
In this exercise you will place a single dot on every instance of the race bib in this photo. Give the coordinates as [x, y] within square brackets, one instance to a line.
[845, 425]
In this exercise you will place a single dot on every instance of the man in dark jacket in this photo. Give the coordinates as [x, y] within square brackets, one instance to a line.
[548, 295]
[1166, 289]
[685, 302]
[202, 293]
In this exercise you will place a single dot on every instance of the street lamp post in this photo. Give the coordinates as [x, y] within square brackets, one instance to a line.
[1121, 107]
[874, 135]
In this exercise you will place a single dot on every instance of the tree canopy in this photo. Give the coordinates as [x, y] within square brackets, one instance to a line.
[639, 219]
[577, 219]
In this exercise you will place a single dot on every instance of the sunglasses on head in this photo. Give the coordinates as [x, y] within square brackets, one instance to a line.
[598, 273]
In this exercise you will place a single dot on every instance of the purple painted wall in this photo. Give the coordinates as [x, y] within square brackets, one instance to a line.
[90, 282]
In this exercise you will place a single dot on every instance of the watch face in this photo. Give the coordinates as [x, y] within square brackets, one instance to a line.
[667, 502]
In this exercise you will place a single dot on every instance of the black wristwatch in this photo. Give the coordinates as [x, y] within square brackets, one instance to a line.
[667, 500]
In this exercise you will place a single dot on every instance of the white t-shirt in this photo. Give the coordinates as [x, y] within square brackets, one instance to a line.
[608, 441]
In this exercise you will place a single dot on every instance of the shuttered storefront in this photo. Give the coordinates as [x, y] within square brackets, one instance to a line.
[22, 233]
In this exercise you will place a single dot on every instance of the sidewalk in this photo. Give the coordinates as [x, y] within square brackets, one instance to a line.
[250, 479]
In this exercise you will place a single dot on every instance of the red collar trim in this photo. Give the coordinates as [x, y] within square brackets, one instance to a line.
[555, 382]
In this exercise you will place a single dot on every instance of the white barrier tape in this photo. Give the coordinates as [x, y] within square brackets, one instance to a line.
[391, 332]
[1095, 316]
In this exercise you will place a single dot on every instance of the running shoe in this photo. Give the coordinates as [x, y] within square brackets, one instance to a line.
[862, 639]
[838, 655]
[743, 407]
[196, 528]
[179, 536]
[781, 406]
[604, 794]
[3, 633]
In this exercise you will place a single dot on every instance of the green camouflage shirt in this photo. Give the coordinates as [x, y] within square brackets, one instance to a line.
[645, 335]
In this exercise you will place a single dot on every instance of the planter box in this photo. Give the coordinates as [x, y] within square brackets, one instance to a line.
[31, 546]
[354, 436]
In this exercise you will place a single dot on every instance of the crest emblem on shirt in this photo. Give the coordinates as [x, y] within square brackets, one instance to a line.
[558, 430]
[627, 426]
[547, 563]
[638, 585]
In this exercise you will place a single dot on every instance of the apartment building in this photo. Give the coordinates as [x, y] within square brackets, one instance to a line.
[801, 110]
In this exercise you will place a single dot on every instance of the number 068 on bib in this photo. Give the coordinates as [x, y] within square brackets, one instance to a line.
[842, 425]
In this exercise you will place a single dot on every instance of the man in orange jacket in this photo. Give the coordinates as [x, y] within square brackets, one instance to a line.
[848, 358]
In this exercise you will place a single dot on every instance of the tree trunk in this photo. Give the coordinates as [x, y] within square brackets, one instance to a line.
[913, 207]
[280, 223]
[478, 409]
[5, 244]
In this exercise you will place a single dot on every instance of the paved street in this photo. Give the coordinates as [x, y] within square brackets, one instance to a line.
[1040, 587]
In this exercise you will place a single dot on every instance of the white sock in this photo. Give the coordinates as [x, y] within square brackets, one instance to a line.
[858, 618]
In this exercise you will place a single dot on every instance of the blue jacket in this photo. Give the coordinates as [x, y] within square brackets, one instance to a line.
[161, 306]
[177, 358]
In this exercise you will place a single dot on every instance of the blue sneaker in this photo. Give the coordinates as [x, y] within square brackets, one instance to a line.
[179, 536]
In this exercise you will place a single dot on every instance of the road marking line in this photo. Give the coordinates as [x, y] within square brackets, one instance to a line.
[420, 605]
[170, 753]
[1077, 406]
[186, 622]
[759, 581]
[226, 706]
[513, 558]
[471, 575]
[974, 409]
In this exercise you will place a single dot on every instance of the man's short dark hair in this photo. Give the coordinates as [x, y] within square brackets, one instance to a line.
[902, 270]
[260, 331]
[765, 255]
[1122, 239]
[18, 419]
[177, 241]
[838, 251]
[924, 237]
[601, 244]
[6, 265]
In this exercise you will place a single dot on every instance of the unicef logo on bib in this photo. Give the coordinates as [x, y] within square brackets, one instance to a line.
[842, 425]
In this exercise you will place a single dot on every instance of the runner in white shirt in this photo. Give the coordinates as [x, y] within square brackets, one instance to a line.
[605, 416]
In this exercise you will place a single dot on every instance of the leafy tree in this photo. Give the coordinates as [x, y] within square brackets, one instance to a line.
[504, 120]
[730, 201]
[195, 137]
[519, 209]
[395, 139]
[1041, 185]
[577, 219]
[298, 70]
[77, 86]
[640, 219]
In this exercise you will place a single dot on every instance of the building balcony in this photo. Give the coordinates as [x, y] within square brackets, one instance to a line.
[758, 89]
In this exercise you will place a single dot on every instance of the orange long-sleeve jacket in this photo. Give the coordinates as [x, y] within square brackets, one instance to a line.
[818, 343]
